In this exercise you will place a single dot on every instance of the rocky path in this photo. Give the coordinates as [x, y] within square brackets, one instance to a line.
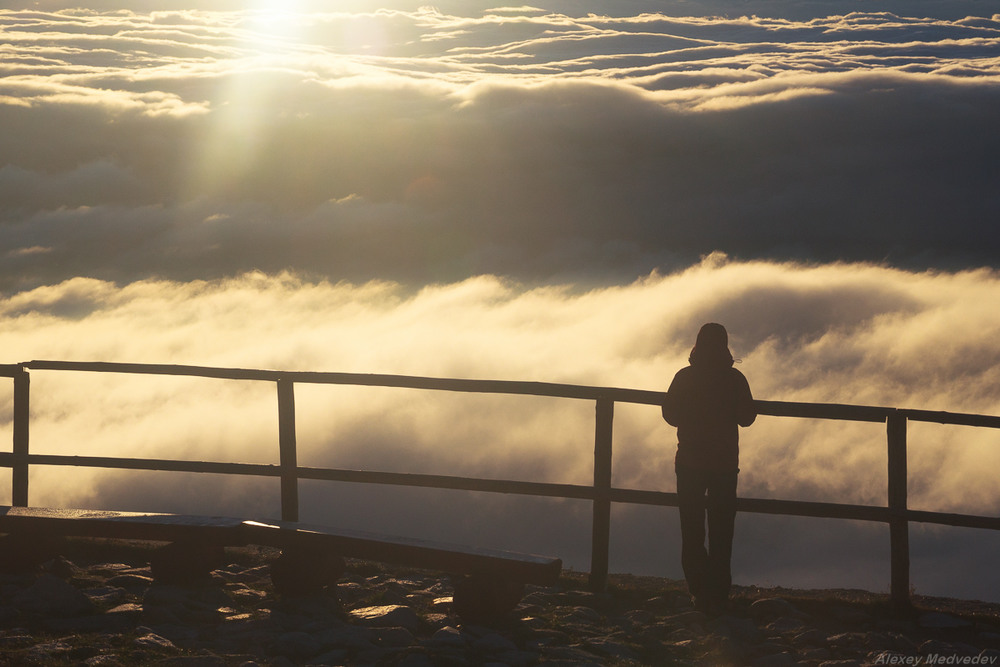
[98, 605]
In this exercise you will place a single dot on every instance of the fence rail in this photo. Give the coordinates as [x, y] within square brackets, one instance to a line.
[601, 493]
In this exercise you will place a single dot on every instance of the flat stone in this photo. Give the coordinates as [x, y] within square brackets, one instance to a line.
[106, 594]
[242, 591]
[129, 608]
[104, 568]
[154, 641]
[443, 603]
[387, 616]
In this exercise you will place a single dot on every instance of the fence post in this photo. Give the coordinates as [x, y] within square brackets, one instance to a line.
[286, 451]
[22, 411]
[601, 537]
[899, 534]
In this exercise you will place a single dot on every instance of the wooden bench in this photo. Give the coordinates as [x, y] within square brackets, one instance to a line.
[311, 554]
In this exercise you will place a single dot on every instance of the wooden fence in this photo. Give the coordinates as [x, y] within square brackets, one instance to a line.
[602, 494]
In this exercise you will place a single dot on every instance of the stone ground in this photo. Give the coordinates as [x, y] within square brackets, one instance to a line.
[97, 604]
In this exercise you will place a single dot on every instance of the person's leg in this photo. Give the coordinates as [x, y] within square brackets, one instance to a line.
[691, 503]
[721, 507]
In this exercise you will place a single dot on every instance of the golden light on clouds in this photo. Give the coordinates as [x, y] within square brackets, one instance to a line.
[854, 334]
[857, 334]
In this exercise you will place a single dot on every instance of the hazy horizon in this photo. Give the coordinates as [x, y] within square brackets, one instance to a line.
[540, 193]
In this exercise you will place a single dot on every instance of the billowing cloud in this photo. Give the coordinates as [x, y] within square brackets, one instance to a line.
[861, 334]
[420, 145]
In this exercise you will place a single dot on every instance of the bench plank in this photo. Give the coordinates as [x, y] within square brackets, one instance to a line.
[153, 526]
[453, 558]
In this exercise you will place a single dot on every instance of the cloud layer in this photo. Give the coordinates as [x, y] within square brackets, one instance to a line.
[836, 333]
[423, 145]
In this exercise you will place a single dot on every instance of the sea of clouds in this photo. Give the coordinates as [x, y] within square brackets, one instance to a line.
[511, 193]
[859, 334]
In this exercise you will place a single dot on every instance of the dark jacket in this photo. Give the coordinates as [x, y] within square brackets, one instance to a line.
[708, 404]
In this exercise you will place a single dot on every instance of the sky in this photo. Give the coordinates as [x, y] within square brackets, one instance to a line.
[559, 192]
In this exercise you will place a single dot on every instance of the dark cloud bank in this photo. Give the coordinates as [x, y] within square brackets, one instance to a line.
[550, 148]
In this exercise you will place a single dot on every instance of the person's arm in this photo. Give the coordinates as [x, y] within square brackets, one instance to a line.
[746, 412]
[670, 408]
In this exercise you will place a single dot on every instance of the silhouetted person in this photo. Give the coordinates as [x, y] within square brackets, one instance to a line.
[708, 401]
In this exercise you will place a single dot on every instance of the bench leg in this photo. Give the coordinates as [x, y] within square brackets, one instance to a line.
[187, 562]
[481, 598]
[302, 570]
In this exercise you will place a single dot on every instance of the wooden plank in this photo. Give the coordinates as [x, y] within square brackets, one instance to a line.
[812, 509]
[600, 543]
[544, 489]
[864, 413]
[287, 454]
[899, 534]
[154, 526]
[454, 558]
[363, 379]
[22, 416]
[818, 510]
[955, 418]
[549, 389]
[122, 525]
[162, 465]
[955, 520]
[154, 369]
